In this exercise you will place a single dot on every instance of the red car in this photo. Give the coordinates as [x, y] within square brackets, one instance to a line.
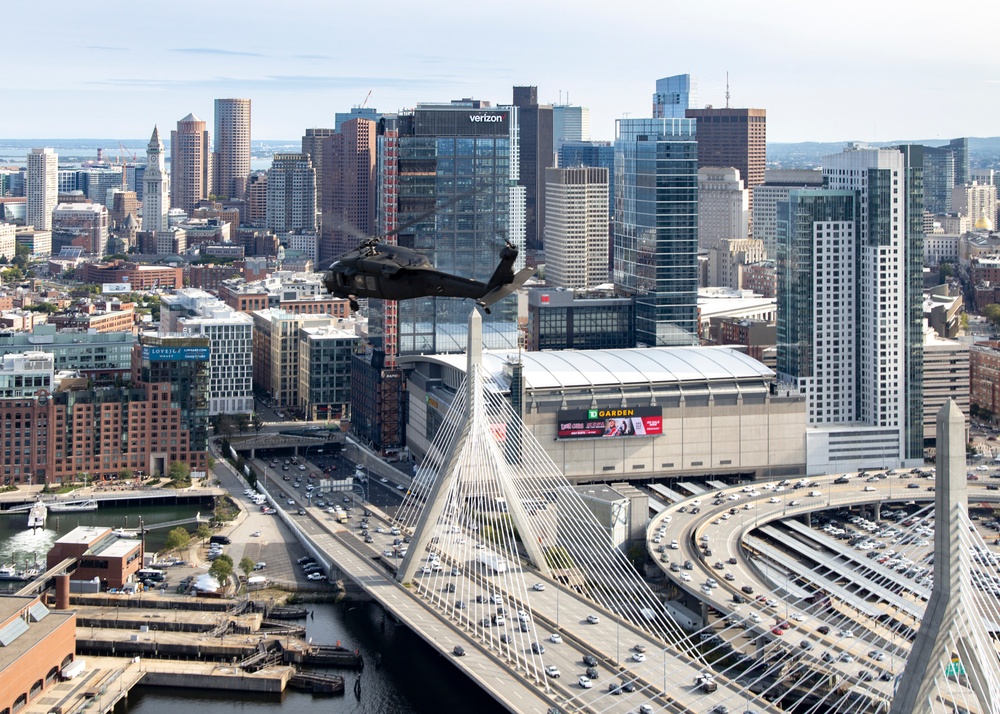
[777, 631]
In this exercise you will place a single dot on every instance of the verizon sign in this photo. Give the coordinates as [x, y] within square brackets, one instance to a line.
[486, 118]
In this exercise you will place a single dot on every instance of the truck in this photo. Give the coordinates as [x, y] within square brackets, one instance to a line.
[493, 561]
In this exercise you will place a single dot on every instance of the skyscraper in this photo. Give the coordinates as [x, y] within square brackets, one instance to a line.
[849, 265]
[767, 196]
[656, 227]
[349, 210]
[41, 188]
[733, 137]
[231, 160]
[576, 227]
[155, 201]
[536, 155]
[674, 96]
[569, 123]
[291, 194]
[960, 149]
[939, 178]
[190, 164]
[312, 145]
[723, 206]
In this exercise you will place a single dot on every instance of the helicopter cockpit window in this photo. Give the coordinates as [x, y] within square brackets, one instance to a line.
[359, 281]
[372, 282]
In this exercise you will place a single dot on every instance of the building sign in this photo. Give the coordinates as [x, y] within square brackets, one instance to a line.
[175, 354]
[116, 288]
[610, 423]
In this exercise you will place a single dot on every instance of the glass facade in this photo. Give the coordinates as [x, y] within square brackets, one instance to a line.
[604, 325]
[656, 227]
[458, 160]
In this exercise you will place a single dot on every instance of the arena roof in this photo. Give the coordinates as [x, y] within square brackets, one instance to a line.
[586, 368]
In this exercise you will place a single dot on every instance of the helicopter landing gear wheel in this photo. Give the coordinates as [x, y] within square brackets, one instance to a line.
[354, 304]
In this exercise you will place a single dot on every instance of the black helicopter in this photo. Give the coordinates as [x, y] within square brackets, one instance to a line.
[376, 269]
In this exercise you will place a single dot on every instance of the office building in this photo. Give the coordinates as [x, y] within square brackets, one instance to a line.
[598, 154]
[312, 145]
[100, 554]
[674, 96]
[231, 158]
[576, 227]
[38, 242]
[570, 124]
[733, 137]
[939, 178]
[276, 345]
[350, 191]
[84, 225]
[291, 194]
[325, 355]
[727, 258]
[256, 206]
[946, 377]
[155, 202]
[536, 154]
[767, 196]
[656, 231]
[190, 164]
[976, 201]
[195, 313]
[184, 363]
[367, 113]
[723, 206]
[41, 188]
[8, 241]
[984, 381]
[960, 149]
[561, 319]
[99, 184]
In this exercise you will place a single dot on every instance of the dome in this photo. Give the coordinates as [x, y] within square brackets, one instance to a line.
[984, 223]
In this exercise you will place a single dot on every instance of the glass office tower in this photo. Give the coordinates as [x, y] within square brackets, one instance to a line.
[656, 227]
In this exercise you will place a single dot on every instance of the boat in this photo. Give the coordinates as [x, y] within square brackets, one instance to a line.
[9, 572]
[36, 516]
[73, 506]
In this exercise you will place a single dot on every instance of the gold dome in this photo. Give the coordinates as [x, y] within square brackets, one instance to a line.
[984, 223]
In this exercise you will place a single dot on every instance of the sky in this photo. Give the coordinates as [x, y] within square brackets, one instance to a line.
[873, 71]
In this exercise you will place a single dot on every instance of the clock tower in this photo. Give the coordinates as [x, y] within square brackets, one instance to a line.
[155, 201]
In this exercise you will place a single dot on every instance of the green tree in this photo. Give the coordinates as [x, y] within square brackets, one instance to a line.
[246, 565]
[242, 422]
[180, 472]
[222, 568]
[203, 532]
[225, 425]
[125, 474]
[992, 313]
[177, 538]
[963, 320]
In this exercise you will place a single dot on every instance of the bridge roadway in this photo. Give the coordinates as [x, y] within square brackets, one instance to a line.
[510, 672]
[728, 540]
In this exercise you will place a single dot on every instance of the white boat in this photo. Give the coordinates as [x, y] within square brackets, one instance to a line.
[9, 572]
[36, 516]
[72, 506]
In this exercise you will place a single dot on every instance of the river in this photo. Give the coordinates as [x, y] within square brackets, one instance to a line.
[403, 675]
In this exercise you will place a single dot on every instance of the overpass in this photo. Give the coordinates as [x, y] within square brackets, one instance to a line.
[291, 439]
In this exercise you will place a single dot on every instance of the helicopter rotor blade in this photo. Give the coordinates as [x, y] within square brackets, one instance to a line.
[427, 214]
[339, 223]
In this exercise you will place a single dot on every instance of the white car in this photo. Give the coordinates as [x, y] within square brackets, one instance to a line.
[674, 545]
[685, 577]
[593, 619]
[847, 633]
[638, 657]
[538, 586]
[555, 638]
[774, 499]
[552, 671]
[798, 617]
[255, 534]
[585, 682]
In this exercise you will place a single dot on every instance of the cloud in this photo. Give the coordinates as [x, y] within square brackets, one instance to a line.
[273, 83]
[215, 51]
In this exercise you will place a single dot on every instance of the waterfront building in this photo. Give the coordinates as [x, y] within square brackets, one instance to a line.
[291, 194]
[534, 123]
[101, 357]
[194, 312]
[100, 554]
[183, 362]
[325, 354]
[733, 137]
[656, 231]
[577, 243]
[190, 163]
[723, 206]
[231, 158]
[155, 196]
[41, 188]
[84, 225]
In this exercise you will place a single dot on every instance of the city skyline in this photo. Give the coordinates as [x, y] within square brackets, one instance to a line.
[299, 70]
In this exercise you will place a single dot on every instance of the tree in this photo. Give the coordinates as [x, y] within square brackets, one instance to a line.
[242, 422]
[177, 539]
[246, 565]
[222, 568]
[180, 471]
[224, 425]
[992, 313]
[203, 532]
[125, 474]
[257, 423]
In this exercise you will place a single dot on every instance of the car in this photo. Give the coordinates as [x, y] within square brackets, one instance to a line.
[614, 688]
[730, 577]
[638, 657]
[628, 686]
[591, 672]
[798, 617]
[505, 638]
[383, 480]
[719, 709]
[460, 605]
[585, 682]
[552, 671]
[685, 577]
[827, 657]
[459, 651]
[846, 657]
[302, 511]
[259, 565]
[777, 631]
[869, 488]
[590, 660]
[846, 633]
[877, 656]
[640, 647]
[537, 586]
[537, 647]
[823, 629]
[806, 645]
[747, 589]
[732, 561]
[555, 638]
[645, 709]
[593, 619]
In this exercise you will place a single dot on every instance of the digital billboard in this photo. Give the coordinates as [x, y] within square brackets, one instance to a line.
[175, 354]
[610, 423]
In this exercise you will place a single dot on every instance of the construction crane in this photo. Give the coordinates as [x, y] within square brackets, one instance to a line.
[365, 103]
[127, 152]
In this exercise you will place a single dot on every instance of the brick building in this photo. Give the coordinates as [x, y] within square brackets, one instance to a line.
[100, 554]
[37, 644]
[140, 277]
[984, 378]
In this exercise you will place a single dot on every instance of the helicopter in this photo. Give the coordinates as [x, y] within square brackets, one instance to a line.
[376, 269]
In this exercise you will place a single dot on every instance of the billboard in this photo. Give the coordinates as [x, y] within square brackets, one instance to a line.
[175, 354]
[116, 288]
[609, 423]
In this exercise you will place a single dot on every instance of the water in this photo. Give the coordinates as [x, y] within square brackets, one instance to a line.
[411, 679]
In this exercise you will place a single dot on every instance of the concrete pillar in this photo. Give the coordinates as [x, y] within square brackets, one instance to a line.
[62, 592]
